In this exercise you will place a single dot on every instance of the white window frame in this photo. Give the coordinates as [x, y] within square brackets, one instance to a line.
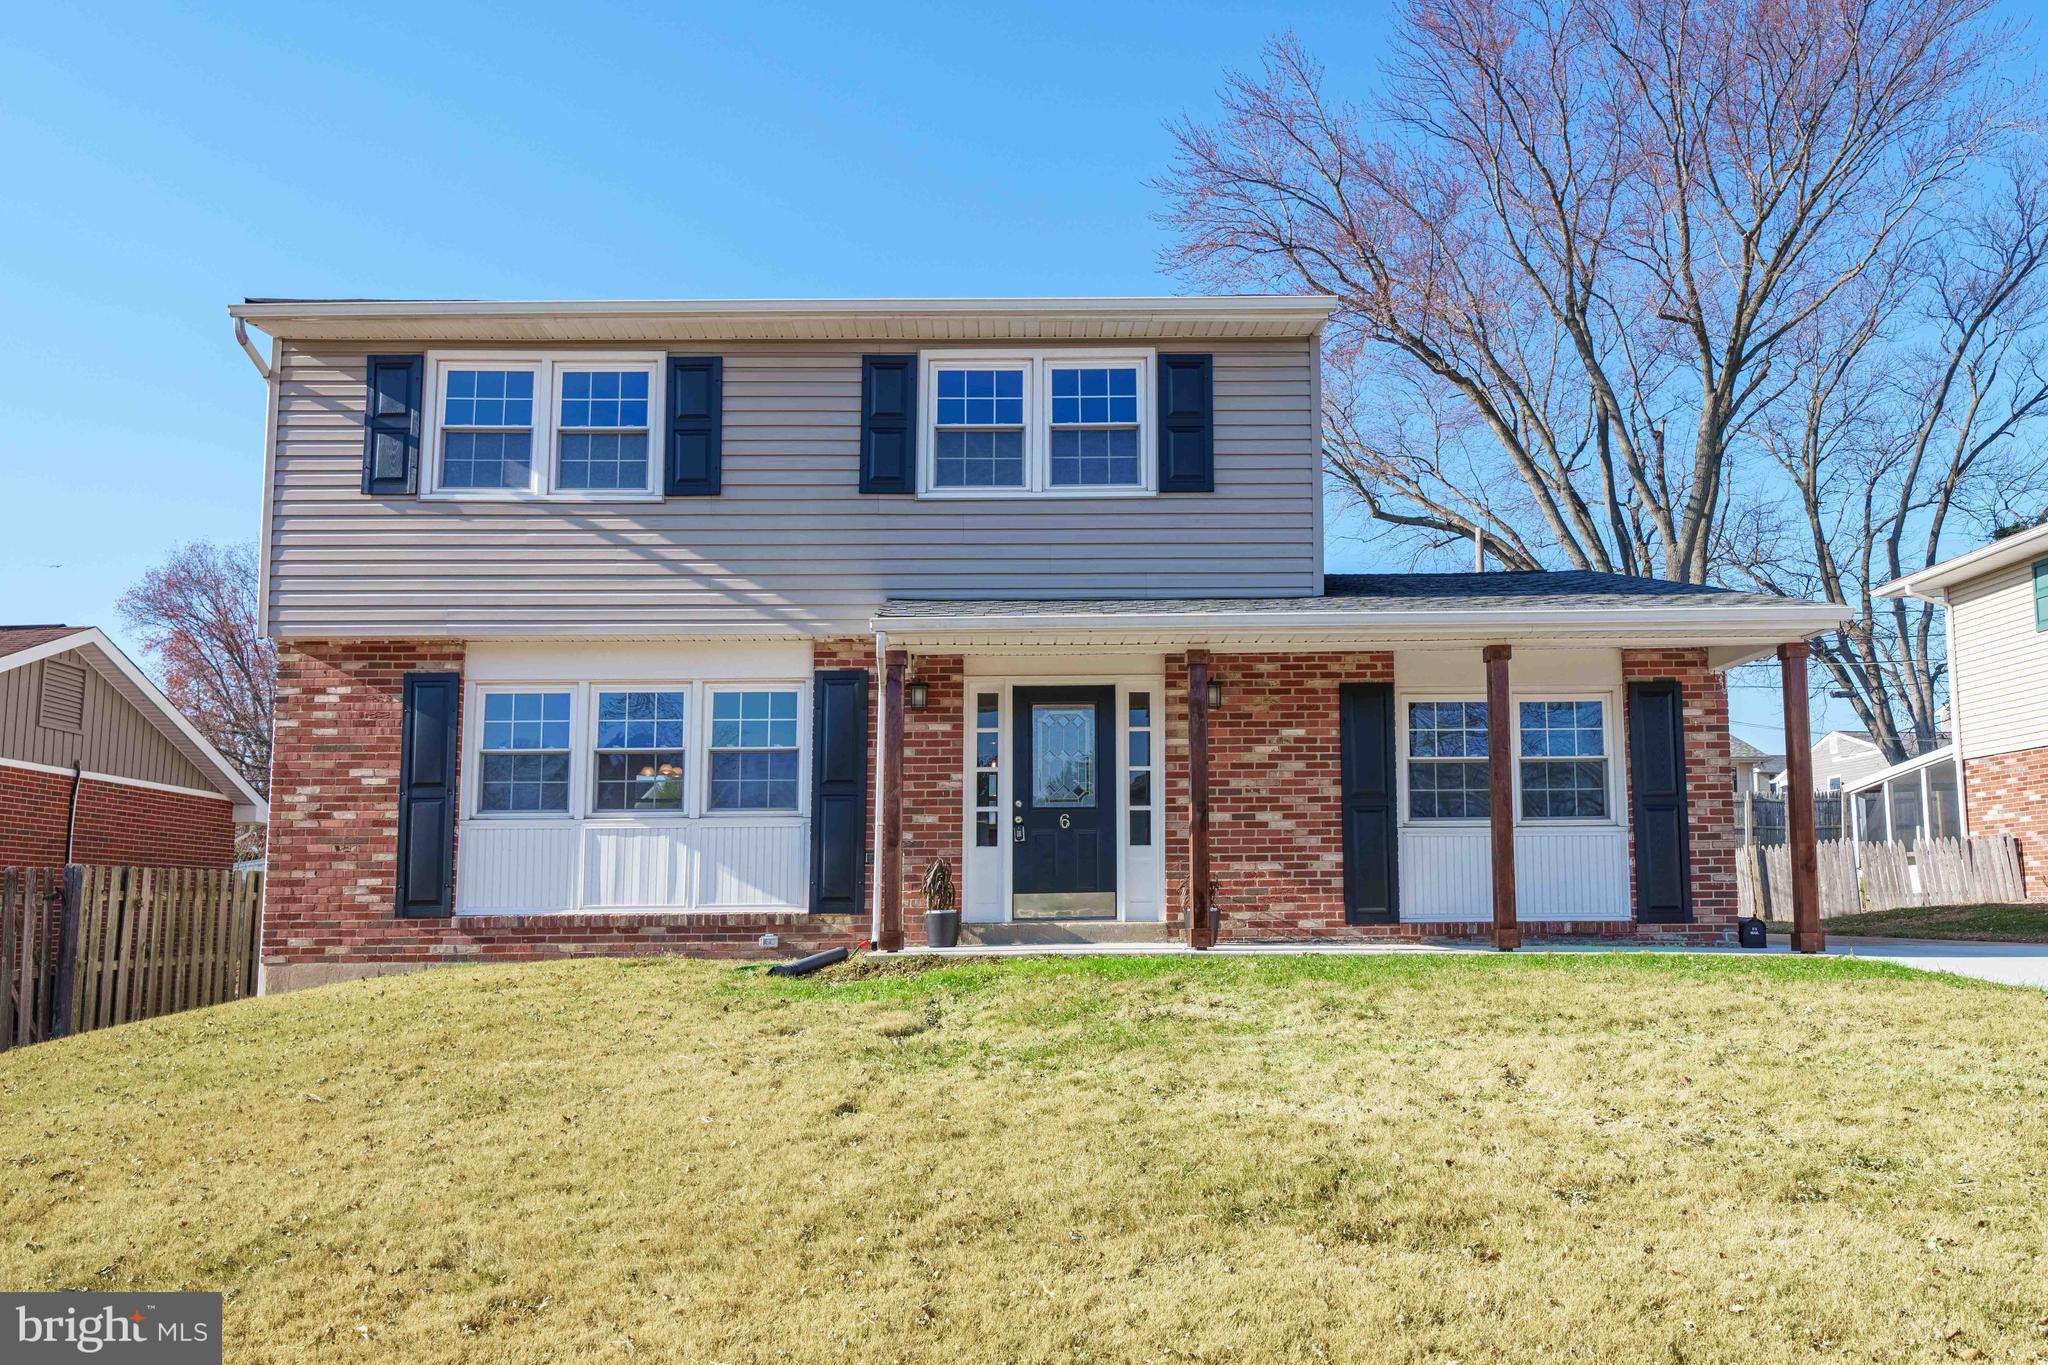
[547, 368]
[587, 737]
[583, 750]
[1616, 792]
[1610, 721]
[1401, 705]
[473, 752]
[703, 783]
[1038, 364]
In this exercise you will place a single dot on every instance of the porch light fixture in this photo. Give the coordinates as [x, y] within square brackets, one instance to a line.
[919, 695]
[1215, 696]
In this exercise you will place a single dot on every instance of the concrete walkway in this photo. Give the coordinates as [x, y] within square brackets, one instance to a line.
[2011, 964]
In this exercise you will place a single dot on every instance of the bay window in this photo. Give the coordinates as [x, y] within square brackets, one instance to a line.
[1051, 423]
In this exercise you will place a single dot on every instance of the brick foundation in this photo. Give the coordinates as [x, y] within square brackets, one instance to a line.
[2008, 794]
[117, 823]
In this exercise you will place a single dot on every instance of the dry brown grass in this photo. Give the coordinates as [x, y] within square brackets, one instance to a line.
[1383, 1159]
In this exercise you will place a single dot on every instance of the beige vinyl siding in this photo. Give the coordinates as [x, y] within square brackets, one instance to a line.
[118, 739]
[2001, 664]
[791, 544]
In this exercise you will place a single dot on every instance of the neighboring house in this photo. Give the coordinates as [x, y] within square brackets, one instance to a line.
[97, 766]
[1840, 758]
[1752, 766]
[1997, 616]
[664, 627]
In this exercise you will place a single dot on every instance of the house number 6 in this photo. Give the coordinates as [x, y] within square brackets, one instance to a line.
[1065, 822]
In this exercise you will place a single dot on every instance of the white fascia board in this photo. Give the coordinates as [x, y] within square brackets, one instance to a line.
[1931, 584]
[1910, 765]
[1754, 625]
[1311, 308]
[146, 694]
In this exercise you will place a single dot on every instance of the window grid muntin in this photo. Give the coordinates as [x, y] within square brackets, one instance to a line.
[1561, 747]
[752, 749]
[487, 421]
[1449, 771]
[602, 434]
[1131, 455]
[1092, 428]
[644, 729]
[542, 439]
[979, 426]
[524, 751]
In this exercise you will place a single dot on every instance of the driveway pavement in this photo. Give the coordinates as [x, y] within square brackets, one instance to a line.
[2013, 964]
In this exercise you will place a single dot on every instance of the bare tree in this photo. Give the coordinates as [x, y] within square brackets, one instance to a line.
[196, 616]
[1590, 254]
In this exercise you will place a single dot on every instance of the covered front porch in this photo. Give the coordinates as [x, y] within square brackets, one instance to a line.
[1323, 770]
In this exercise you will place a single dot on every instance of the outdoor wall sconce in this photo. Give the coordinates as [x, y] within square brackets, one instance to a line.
[1215, 696]
[919, 695]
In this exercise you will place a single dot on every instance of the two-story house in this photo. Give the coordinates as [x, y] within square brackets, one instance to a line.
[668, 626]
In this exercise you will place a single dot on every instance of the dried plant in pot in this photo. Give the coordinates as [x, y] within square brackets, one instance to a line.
[941, 907]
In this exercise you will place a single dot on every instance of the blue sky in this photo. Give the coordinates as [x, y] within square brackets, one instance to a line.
[167, 161]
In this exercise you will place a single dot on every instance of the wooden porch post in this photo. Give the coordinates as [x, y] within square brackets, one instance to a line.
[1198, 800]
[1806, 933]
[1507, 934]
[891, 853]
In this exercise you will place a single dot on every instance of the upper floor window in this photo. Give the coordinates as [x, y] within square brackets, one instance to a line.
[576, 427]
[1058, 423]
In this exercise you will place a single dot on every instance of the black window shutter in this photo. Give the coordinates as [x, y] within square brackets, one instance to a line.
[839, 789]
[1366, 727]
[391, 425]
[696, 425]
[1187, 442]
[888, 424]
[1656, 758]
[426, 796]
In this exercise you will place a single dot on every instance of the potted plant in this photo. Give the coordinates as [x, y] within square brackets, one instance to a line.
[941, 908]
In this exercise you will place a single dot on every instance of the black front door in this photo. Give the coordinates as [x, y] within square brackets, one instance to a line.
[1063, 820]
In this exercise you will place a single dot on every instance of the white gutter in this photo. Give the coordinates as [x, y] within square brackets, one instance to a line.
[1310, 309]
[1931, 584]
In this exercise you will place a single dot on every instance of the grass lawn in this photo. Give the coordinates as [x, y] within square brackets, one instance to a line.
[1999, 923]
[1392, 1158]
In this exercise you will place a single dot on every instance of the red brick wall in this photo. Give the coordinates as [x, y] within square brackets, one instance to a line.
[1709, 789]
[934, 783]
[334, 834]
[2008, 794]
[117, 823]
[1275, 825]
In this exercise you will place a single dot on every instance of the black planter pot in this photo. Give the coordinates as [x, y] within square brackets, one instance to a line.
[942, 928]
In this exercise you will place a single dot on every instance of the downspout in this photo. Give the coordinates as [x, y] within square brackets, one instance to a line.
[1955, 717]
[881, 757]
[242, 336]
[71, 820]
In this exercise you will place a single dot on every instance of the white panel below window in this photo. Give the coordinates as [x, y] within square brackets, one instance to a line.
[1560, 874]
[702, 865]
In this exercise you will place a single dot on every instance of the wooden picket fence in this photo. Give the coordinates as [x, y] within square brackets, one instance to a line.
[1871, 876]
[86, 947]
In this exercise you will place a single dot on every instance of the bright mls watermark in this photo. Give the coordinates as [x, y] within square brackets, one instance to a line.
[166, 1329]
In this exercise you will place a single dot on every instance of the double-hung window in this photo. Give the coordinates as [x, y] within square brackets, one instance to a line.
[1448, 768]
[753, 749]
[525, 754]
[572, 427]
[1563, 760]
[639, 750]
[1051, 423]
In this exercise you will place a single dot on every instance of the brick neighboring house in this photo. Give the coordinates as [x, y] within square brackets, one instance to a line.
[667, 626]
[97, 765]
[1996, 601]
